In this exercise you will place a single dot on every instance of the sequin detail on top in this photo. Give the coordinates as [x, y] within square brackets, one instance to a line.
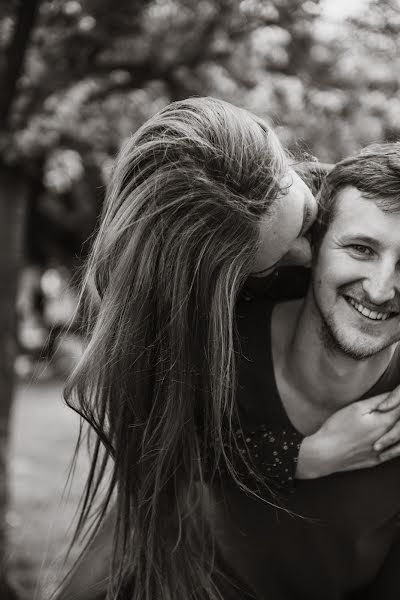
[269, 454]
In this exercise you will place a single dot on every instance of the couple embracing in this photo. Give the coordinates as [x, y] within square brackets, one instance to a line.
[253, 442]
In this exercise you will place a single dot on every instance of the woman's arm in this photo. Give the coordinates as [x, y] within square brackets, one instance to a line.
[361, 435]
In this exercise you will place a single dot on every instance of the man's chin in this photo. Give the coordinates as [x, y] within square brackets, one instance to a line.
[358, 353]
[359, 349]
[350, 343]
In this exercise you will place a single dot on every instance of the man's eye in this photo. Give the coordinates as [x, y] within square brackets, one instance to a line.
[360, 249]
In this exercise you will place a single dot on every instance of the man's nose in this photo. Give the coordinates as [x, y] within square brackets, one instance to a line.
[381, 284]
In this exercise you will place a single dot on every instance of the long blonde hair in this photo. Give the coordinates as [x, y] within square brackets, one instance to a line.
[156, 382]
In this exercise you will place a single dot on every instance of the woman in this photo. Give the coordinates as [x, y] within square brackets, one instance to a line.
[201, 197]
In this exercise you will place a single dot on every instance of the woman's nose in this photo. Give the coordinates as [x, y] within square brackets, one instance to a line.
[298, 254]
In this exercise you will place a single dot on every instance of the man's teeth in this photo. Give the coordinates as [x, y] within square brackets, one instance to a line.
[371, 314]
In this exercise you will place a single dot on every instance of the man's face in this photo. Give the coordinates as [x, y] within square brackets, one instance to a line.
[356, 277]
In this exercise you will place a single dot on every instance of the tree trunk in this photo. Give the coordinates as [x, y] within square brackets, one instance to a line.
[26, 13]
[14, 189]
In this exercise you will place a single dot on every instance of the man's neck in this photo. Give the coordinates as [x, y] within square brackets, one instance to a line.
[314, 379]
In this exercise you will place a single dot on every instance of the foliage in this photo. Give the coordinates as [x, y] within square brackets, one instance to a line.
[94, 73]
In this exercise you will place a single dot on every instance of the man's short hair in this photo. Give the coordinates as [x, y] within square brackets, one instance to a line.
[374, 171]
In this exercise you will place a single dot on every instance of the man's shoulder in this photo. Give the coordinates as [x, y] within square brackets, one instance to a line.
[390, 378]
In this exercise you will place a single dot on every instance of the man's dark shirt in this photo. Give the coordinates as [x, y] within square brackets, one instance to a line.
[347, 524]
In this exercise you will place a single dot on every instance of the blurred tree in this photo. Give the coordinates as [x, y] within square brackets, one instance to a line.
[14, 191]
[93, 74]
[354, 99]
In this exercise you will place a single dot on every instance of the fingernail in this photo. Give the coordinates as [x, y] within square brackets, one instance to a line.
[378, 447]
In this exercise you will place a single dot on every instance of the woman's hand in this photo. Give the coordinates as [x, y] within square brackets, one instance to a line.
[360, 435]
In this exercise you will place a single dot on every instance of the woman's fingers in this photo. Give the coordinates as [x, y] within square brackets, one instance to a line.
[390, 438]
[390, 401]
[390, 453]
[382, 403]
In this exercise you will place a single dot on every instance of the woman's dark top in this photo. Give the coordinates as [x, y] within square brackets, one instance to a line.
[276, 447]
[336, 537]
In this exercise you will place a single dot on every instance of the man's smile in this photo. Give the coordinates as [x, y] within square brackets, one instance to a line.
[365, 311]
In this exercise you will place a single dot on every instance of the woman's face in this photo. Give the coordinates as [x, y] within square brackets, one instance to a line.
[282, 240]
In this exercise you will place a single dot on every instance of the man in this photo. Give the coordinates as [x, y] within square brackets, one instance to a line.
[339, 344]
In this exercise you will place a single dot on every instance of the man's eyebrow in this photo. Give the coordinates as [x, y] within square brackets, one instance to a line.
[362, 237]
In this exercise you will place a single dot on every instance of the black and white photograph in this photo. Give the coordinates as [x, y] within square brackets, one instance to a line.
[199, 299]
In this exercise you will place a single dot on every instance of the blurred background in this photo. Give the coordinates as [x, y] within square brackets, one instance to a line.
[76, 78]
